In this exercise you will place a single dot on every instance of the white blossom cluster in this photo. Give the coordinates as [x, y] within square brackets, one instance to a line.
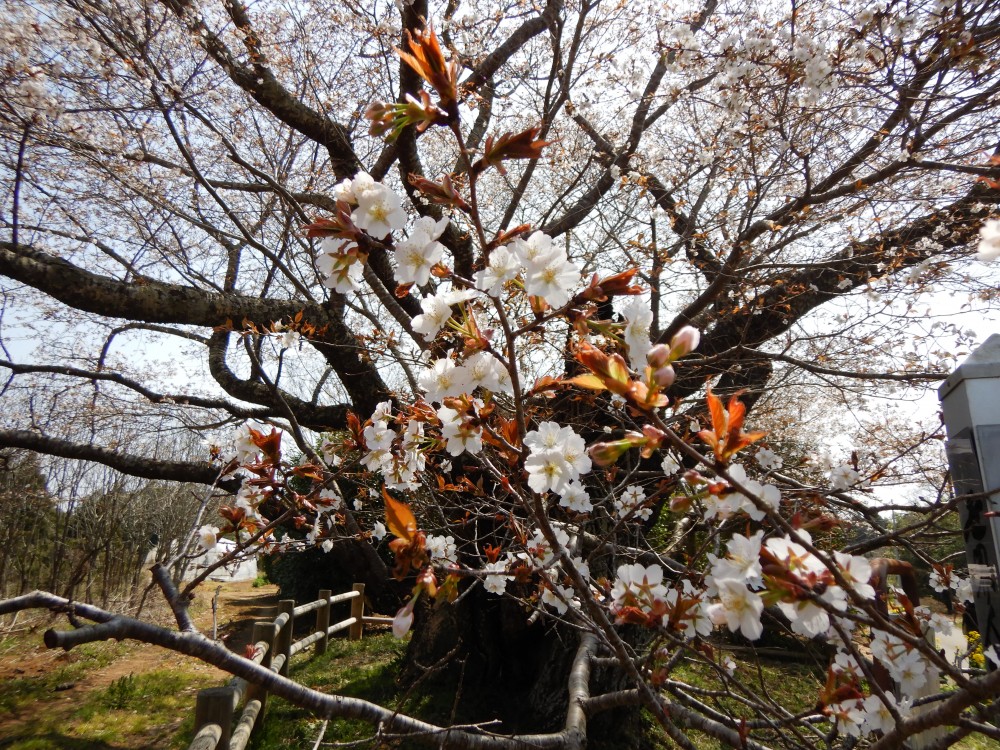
[865, 716]
[641, 588]
[398, 458]
[558, 457]
[246, 449]
[630, 504]
[843, 477]
[547, 271]
[442, 549]
[737, 577]
[446, 378]
[768, 459]
[378, 211]
[726, 505]
[962, 587]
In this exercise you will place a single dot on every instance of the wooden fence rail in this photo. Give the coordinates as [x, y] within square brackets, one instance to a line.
[273, 648]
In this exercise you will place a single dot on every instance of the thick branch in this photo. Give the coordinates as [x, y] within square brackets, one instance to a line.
[137, 466]
[154, 301]
[774, 311]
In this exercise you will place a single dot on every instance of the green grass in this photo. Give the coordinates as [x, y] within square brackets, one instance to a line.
[73, 666]
[154, 709]
[153, 705]
[791, 685]
[358, 669]
[260, 580]
[975, 742]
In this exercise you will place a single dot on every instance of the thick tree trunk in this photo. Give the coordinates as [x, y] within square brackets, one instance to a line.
[495, 665]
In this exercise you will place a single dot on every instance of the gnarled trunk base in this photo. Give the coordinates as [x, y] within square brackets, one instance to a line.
[493, 665]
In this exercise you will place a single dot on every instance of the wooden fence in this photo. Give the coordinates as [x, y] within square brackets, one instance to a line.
[273, 648]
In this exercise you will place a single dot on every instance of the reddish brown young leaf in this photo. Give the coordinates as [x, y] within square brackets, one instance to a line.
[523, 145]
[726, 436]
[443, 193]
[399, 518]
[427, 59]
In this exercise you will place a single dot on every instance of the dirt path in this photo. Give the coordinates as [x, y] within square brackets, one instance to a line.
[239, 607]
[26, 665]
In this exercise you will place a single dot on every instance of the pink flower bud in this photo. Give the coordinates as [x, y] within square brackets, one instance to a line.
[664, 376]
[658, 356]
[605, 454]
[684, 342]
[680, 503]
[403, 620]
[653, 434]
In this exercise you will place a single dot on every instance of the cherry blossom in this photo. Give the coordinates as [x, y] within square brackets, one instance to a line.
[742, 562]
[460, 432]
[502, 266]
[558, 456]
[629, 503]
[768, 459]
[442, 379]
[575, 497]
[437, 311]
[496, 579]
[638, 585]
[670, 464]
[379, 210]
[738, 608]
[849, 716]
[486, 371]
[418, 253]
[442, 548]
[540, 547]
[842, 477]
[245, 447]
[340, 266]
[877, 714]
[638, 318]
[553, 279]
[208, 537]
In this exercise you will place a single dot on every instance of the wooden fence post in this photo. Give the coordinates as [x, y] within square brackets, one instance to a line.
[214, 706]
[357, 612]
[262, 631]
[323, 620]
[283, 644]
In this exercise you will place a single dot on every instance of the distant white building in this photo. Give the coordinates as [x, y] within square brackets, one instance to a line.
[244, 570]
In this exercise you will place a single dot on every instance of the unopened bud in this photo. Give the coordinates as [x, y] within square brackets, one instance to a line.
[680, 503]
[664, 376]
[693, 476]
[684, 342]
[606, 454]
[653, 434]
[658, 356]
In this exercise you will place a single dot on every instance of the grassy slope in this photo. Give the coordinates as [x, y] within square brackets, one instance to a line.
[154, 709]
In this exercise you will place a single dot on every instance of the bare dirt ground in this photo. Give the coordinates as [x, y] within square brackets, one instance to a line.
[27, 658]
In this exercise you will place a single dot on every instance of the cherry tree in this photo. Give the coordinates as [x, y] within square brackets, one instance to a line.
[506, 297]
